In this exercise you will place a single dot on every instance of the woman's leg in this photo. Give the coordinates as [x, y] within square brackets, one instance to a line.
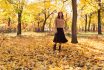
[54, 47]
[59, 47]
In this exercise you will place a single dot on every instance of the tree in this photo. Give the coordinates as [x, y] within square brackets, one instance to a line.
[47, 11]
[18, 7]
[45, 8]
[89, 25]
[74, 22]
[46, 16]
[99, 17]
[87, 8]
[19, 22]
[86, 22]
[7, 13]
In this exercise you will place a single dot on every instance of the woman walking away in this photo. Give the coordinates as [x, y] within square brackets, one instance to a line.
[59, 36]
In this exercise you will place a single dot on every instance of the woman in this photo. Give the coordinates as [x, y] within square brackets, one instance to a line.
[59, 35]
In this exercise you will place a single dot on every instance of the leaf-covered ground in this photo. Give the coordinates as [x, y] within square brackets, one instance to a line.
[31, 52]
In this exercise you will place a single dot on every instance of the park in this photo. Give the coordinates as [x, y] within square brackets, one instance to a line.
[27, 30]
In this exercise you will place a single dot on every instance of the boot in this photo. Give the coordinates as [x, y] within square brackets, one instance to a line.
[54, 47]
[59, 48]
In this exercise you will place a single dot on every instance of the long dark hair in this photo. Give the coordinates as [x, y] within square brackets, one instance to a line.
[62, 17]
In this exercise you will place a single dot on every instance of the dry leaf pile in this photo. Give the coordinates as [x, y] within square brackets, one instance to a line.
[35, 53]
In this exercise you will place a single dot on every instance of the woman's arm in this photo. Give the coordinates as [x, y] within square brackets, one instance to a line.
[55, 22]
[64, 25]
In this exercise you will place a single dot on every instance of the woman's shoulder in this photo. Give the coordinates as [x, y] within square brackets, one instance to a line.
[55, 19]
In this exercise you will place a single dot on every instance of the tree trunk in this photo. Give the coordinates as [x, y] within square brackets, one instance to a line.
[86, 23]
[19, 23]
[82, 28]
[99, 19]
[43, 27]
[89, 25]
[9, 24]
[38, 26]
[50, 24]
[74, 22]
[94, 27]
[99, 23]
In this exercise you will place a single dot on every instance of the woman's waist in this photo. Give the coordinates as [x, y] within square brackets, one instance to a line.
[60, 26]
[59, 29]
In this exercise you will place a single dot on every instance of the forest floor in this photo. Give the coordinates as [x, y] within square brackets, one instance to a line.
[34, 52]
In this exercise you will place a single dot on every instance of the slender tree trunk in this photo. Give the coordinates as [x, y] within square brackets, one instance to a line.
[46, 17]
[50, 24]
[43, 27]
[86, 23]
[99, 18]
[94, 27]
[19, 23]
[9, 22]
[82, 28]
[74, 22]
[38, 26]
[89, 25]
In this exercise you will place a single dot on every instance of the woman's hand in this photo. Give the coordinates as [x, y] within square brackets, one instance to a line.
[55, 30]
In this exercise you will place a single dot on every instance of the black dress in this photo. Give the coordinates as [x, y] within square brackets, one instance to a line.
[59, 37]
